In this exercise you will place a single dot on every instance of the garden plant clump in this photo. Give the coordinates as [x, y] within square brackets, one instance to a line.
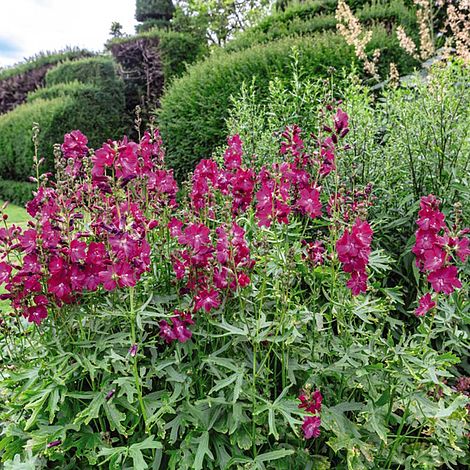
[244, 320]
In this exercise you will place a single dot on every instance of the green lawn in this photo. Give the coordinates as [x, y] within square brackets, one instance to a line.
[16, 214]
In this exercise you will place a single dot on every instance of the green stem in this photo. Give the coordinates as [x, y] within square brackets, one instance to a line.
[135, 367]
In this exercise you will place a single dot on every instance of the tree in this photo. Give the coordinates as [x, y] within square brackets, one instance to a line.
[116, 30]
[223, 18]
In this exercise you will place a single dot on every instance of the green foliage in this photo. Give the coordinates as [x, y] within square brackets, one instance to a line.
[44, 58]
[96, 111]
[83, 94]
[18, 193]
[302, 19]
[176, 49]
[154, 9]
[61, 90]
[194, 108]
[97, 71]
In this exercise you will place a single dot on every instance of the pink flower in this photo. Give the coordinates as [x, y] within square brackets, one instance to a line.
[28, 240]
[341, 121]
[233, 154]
[445, 280]
[434, 259]
[353, 250]
[425, 305]
[462, 248]
[315, 252]
[133, 350]
[166, 332]
[207, 299]
[103, 157]
[59, 285]
[357, 282]
[180, 330]
[311, 402]
[5, 271]
[311, 426]
[126, 163]
[77, 251]
[74, 145]
[309, 202]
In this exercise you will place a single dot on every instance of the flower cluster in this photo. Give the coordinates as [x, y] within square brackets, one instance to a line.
[88, 231]
[311, 402]
[293, 185]
[178, 330]
[210, 261]
[233, 180]
[437, 251]
[353, 250]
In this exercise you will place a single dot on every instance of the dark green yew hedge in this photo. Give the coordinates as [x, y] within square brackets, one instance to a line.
[194, 108]
[83, 95]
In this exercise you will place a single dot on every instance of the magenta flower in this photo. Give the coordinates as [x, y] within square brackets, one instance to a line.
[462, 248]
[311, 426]
[133, 350]
[180, 330]
[353, 250]
[5, 271]
[425, 305]
[77, 251]
[341, 121]
[311, 401]
[309, 202]
[207, 300]
[445, 280]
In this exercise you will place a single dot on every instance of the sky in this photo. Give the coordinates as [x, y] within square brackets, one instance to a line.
[30, 26]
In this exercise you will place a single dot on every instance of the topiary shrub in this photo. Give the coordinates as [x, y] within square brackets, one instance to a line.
[16, 82]
[97, 70]
[159, 12]
[16, 192]
[149, 60]
[319, 15]
[194, 108]
[96, 110]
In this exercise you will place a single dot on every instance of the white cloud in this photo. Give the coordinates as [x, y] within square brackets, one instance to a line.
[41, 25]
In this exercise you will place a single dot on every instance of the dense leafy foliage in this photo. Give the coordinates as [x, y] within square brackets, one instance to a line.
[252, 323]
[149, 60]
[95, 103]
[194, 108]
[161, 10]
[16, 82]
[301, 19]
[16, 192]
[98, 71]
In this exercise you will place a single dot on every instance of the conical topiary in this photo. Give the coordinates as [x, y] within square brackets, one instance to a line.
[160, 10]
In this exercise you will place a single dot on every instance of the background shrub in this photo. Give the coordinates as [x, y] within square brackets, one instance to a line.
[17, 81]
[85, 95]
[97, 70]
[302, 19]
[194, 108]
[16, 192]
[149, 60]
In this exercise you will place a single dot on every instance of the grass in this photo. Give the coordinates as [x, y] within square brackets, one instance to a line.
[16, 215]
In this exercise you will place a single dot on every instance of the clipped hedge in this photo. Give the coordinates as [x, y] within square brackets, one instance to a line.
[319, 15]
[95, 106]
[194, 108]
[149, 60]
[96, 70]
[16, 192]
[17, 81]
